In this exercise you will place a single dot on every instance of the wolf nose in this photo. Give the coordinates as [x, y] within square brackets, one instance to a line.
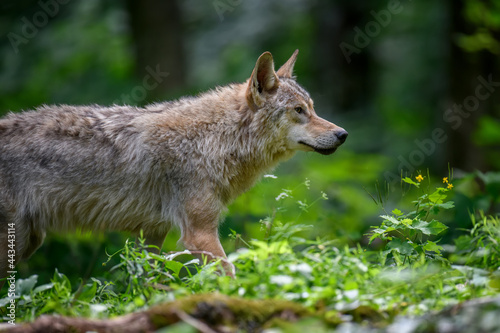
[342, 135]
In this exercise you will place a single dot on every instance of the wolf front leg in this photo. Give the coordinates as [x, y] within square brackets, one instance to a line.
[200, 235]
[156, 238]
[204, 243]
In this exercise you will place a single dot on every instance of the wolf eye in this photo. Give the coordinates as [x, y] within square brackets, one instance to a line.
[299, 110]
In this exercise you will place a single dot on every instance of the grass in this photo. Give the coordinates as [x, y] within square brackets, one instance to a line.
[410, 273]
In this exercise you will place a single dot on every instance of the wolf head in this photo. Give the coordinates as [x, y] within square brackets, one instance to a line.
[281, 100]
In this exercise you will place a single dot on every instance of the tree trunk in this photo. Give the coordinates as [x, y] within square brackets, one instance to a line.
[157, 33]
[465, 69]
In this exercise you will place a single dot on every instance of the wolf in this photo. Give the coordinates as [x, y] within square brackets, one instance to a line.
[127, 168]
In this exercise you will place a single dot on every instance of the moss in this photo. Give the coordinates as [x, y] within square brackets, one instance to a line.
[216, 309]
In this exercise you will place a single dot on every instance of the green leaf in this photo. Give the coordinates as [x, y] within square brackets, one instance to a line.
[407, 222]
[139, 301]
[24, 286]
[380, 233]
[422, 226]
[43, 287]
[431, 246]
[62, 285]
[438, 196]
[377, 233]
[174, 266]
[446, 205]
[390, 219]
[4, 301]
[409, 181]
[350, 285]
[88, 292]
[436, 227]
[402, 247]
[397, 212]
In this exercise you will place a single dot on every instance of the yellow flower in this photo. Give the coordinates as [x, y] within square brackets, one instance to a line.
[419, 178]
[450, 186]
[445, 180]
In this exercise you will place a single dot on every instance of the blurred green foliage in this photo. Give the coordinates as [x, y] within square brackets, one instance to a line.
[485, 15]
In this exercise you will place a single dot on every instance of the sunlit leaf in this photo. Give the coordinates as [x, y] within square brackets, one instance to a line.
[410, 181]
[391, 219]
[438, 196]
[397, 212]
[431, 246]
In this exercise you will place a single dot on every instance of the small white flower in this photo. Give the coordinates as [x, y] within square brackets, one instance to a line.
[301, 268]
[281, 280]
[282, 195]
[97, 309]
[351, 294]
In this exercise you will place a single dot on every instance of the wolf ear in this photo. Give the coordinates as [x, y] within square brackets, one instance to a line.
[287, 69]
[263, 80]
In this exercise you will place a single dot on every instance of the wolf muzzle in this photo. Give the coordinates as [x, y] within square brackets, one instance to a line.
[328, 144]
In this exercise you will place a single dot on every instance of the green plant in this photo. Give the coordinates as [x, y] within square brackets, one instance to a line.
[407, 235]
[480, 247]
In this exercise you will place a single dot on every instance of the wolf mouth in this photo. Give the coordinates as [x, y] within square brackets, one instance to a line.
[322, 151]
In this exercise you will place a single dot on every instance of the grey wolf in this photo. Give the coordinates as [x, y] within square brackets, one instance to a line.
[177, 163]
